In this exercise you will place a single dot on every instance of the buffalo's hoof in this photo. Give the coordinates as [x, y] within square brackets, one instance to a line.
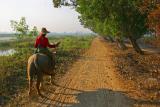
[29, 93]
[52, 82]
[41, 95]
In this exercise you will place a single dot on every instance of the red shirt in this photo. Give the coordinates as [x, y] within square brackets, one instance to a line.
[43, 42]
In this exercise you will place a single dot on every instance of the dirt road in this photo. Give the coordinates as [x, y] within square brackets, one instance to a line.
[92, 81]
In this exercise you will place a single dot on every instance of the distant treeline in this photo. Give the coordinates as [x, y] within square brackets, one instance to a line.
[7, 35]
[51, 34]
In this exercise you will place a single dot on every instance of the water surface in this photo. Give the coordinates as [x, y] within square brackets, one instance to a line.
[7, 52]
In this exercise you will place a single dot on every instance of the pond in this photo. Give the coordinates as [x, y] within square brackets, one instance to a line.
[7, 52]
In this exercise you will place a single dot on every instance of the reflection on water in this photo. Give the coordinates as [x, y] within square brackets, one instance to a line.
[7, 52]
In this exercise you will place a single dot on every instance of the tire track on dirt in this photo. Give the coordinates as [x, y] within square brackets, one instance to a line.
[68, 91]
[64, 87]
[57, 97]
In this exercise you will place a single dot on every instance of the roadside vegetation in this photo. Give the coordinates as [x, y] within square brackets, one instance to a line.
[13, 68]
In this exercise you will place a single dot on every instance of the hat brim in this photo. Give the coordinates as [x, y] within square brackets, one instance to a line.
[46, 32]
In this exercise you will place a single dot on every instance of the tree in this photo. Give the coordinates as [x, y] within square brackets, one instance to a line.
[33, 32]
[132, 22]
[58, 3]
[21, 28]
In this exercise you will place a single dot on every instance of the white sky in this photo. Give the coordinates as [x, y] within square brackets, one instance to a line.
[40, 13]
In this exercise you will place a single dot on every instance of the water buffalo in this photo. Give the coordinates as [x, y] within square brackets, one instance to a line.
[38, 65]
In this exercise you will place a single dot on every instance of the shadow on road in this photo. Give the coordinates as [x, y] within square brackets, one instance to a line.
[102, 98]
[98, 98]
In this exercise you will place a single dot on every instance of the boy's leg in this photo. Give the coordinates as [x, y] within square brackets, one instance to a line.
[36, 51]
[50, 55]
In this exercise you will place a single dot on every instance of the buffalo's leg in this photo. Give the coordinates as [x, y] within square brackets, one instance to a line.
[39, 80]
[52, 78]
[30, 79]
[30, 85]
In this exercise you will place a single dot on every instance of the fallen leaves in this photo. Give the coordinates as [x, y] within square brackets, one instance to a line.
[143, 70]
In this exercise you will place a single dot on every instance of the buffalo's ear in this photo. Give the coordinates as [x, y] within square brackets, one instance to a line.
[58, 43]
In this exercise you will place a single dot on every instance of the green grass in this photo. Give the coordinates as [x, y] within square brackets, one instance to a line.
[13, 68]
[6, 45]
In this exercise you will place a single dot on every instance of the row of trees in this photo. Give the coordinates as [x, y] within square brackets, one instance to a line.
[22, 29]
[118, 18]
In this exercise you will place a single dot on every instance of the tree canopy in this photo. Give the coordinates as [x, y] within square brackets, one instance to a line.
[21, 28]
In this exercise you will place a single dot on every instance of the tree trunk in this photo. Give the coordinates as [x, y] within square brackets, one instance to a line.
[135, 45]
[121, 44]
[110, 39]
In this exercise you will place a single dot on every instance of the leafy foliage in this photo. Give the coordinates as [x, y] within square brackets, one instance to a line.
[152, 9]
[21, 28]
[58, 3]
[117, 18]
[34, 32]
[110, 17]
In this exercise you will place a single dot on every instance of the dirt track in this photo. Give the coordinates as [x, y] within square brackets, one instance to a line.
[92, 81]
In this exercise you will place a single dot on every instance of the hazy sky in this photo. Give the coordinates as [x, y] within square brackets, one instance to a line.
[40, 13]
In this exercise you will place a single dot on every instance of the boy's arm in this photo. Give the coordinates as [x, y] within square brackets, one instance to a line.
[36, 43]
[49, 45]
